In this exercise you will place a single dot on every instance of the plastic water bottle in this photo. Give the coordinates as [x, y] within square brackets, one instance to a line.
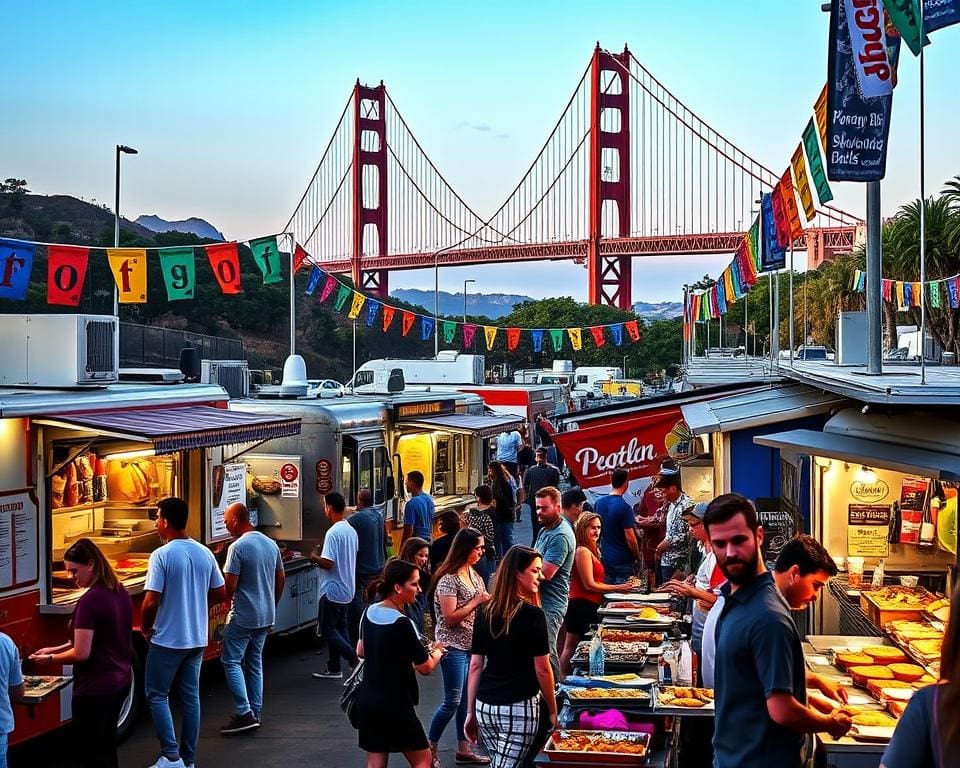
[598, 657]
[685, 665]
[670, 658]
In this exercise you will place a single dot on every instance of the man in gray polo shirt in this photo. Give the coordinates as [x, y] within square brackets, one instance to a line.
[556, 543]
[761, 709]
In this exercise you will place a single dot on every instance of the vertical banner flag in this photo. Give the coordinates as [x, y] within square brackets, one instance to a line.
[129, 267]
[753, 243]
[299, 257]
[802, 183]
[790, 205]
[556, 339]
[917, 294]
[225, 265]
[469, 331]
[66, 272]
[731, 294]
[388, 313]
[735, 279]
[490, 334]
[316, 275]
[938, 14]
[772, 256]
[616, 331]
[780, 217]
[16, 264]
[820, 113]
[343, 293]
[886, 288]
[427, 324]
[597, 332]
[356, 305]
[406, 321]
[576, 340]
[856, 280]
[815, 159]
[329, 284]
[721, 299]
[179, 270]
[513, 338]
[905, 15]
[935, 295]
[267, 255]
[859, 94]
[952, 294]
[537, 336]
[372, 308]
[898, 292]
[633, 330]
[448, 329]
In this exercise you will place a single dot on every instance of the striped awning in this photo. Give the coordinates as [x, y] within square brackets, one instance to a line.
[481, 426]
[181, 428]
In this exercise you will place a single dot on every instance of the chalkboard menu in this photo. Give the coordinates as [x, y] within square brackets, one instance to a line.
[779, 526]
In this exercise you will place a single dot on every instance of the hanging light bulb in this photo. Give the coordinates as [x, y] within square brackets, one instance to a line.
[866, 475]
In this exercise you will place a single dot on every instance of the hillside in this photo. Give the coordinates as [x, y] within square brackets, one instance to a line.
[492, 305]
[61, 219]
[193, 226]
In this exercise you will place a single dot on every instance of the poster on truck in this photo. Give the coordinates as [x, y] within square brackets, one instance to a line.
[275, 493]
[637, 444]
[228, 485]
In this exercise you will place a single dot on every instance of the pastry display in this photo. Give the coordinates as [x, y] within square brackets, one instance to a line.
[894, 598]
[628, 636]
[847, 660]
[608, 693]
[884, 654]
[908, 673]
[862, 674]
[677, 696]
[614, 742]
[874, 719]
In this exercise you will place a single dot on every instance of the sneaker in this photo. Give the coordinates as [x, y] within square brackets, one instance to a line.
[164, 762]
[240, 723]
[326, 674]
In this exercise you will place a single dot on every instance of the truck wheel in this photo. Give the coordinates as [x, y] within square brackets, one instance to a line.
[132, 705]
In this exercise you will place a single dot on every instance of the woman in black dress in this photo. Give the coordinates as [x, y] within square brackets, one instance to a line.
[391, 649]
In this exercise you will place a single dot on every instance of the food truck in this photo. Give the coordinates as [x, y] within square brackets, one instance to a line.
[92, 462]
[525, 400]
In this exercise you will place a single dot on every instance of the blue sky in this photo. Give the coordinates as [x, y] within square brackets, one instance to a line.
[231, 104]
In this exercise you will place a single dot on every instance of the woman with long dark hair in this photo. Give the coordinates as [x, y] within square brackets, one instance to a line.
[586, 586]
[392, 649]
[928, 733]
[417, 551]
[510, 686]
[99, 651]
[458, 591]
[504, 490]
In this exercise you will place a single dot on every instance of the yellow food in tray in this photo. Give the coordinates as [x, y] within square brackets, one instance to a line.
[847, 660]
[908, 673]
[676, 696]
[884, 654]
[596, 742]
[894, 598]
[862, 675]
[927, 648]
[607, 693]
[874, 720]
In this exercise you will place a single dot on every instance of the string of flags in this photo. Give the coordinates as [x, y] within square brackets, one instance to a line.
[942, 293]
[67, 267]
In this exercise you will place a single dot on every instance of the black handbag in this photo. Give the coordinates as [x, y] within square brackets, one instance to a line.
[351, 686]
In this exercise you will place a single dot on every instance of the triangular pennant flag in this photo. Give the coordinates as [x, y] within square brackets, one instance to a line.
[469, 331]
[356, 305]
[935, 295]
[406, 320]
[179, 268]
[513, 338]
[427, 324]
[267, 256]
[372, 308]
[598, 338]
[388, 313]
[448, 329]
[556, 339]
[490, 334]
[328, 286]
[343, 293]
[616, 331]
[66, 273]
[537, 336]
[633, 330]
[886, 288]
[576, 340]
[129, 267]
[299, 257]
[316, 275]
[225, 265]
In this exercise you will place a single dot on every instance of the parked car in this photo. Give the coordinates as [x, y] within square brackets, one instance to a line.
[324, 388]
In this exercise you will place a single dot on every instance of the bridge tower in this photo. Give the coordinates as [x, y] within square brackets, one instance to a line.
[609, 277]
[369, 151]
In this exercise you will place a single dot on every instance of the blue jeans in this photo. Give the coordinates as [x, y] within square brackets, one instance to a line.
[618, 574]
[502, 537]
[242, 658]
[454, 666]
[4, 740]
[174, 670]
[333, 628]
[554, 623]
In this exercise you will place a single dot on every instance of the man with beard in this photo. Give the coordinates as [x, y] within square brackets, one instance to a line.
[761, 711]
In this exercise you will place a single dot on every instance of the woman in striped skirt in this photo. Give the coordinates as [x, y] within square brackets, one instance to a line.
[510, 688]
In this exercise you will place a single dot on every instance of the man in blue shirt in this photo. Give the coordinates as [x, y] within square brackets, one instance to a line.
[419, 509]
[371, 556]
[557, 543]
[619, 550]
[761, 709]
[508, 446]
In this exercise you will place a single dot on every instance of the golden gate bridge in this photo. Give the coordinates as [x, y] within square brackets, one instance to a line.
[627, 171]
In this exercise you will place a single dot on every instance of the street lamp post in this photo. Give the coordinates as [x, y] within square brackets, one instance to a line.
[125, 150]
[465, 299]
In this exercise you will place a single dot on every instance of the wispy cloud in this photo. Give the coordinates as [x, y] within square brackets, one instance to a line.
[480, 128]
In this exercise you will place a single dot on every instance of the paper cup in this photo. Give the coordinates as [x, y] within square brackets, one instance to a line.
[909, 581]
[854, 572]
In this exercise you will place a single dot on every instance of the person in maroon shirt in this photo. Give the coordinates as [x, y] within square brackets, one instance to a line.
[99, 652]
[651, 512]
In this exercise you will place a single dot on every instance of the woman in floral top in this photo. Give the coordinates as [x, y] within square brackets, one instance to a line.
[458, 592]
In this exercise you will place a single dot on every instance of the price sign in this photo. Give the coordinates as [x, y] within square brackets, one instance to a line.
[868, 530]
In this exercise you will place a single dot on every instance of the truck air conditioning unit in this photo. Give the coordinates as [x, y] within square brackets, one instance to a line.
[59, 350]
[232, 375]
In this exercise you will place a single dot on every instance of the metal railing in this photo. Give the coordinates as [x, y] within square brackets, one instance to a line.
[149, 345]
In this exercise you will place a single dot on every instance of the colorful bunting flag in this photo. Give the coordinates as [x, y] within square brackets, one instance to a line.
[820, 113]
[616, 331]
[179, 268]
[469, 331]
[299, 257]
[448, 329]
[953, 293]
[729, 293]
[556, 339]
[66, 273]
[513, 338]
[343, 293]
[372, 308]
[772, 256]
[815, 161]
[406, 321]
[388, 313]
[129, 267]
[780, 220]
[905, 15]
[328, 287]
[316, 275]
[537, 335]
[490, 334]
[855, 284]
[598, 338]
[356, 305]
[916, 294]
[938, 14]
[935, 295]
[802, 183]
[576, 340]
[427, 325]
[633, 330]
[226, 266]
[886, 288]
[267, 256]
[753, 244]
[898, 292]
[790, 205]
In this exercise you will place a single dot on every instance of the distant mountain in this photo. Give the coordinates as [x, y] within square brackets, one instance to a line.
[492, 305]
[665, 310]
[193, 226]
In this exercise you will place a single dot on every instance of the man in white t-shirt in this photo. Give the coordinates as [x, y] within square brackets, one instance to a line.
[337, 561]
[183, 581]
[11, 690]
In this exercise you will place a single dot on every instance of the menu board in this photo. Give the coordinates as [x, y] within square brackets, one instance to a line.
[868, 527]
[228, 486]
[18, 539]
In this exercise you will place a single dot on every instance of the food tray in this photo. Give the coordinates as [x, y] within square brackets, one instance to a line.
[881, 614]
[639, 597]
[611, 697]
[603, 757]
[36, 688]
